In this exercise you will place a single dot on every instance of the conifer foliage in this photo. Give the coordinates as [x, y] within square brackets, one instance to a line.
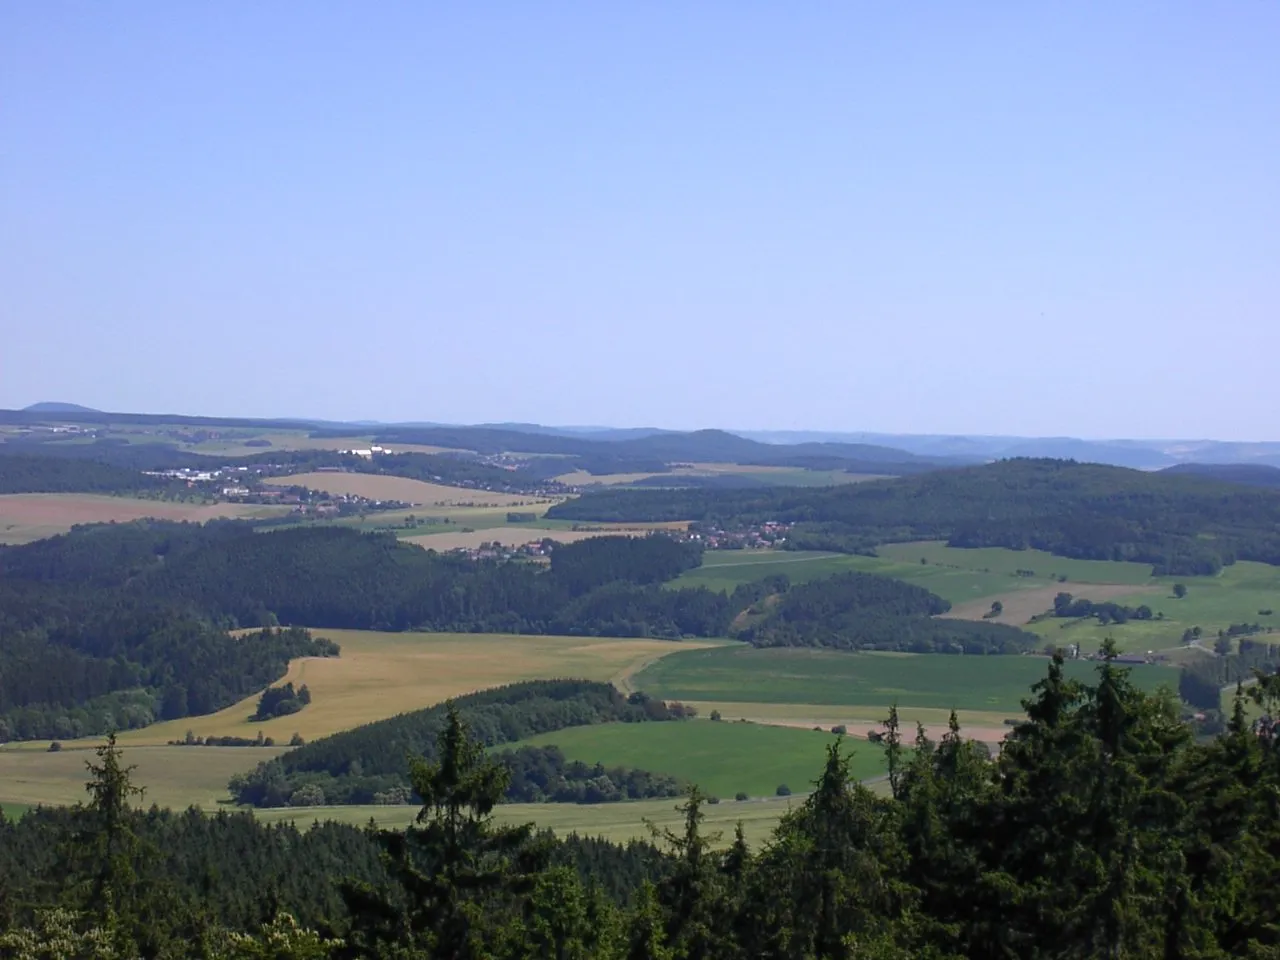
[1102, 829]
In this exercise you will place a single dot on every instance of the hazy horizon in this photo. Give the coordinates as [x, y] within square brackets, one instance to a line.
[1040, 221]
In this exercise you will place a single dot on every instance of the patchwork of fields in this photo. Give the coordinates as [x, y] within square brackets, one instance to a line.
[382, 674]
[1026, 581]
[783, 692]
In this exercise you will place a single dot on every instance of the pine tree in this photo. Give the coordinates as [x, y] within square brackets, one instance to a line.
[690, 890]
[646, 928]
[106, 849]
[457, 874]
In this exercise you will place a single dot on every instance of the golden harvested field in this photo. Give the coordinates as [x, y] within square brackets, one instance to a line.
[382, 674]
[175, 777]
[31, 516]
[379, 487]
[1021, 605]
[508, 536]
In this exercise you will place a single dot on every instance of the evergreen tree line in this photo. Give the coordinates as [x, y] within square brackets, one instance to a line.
[371, 763]
[1180, 524]
[1101, 829]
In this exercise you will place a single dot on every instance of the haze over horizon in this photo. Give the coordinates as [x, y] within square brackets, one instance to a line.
[1047, 221]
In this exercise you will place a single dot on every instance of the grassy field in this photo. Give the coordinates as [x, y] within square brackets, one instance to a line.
[740, 674]
[382, 674]
[1239, 594]
[378, 675]
[973, 579]
[726, 569]
[12, 811]
[25, 517]
[722, 758]
[381, 487]
[175, 777]
[1045, 566]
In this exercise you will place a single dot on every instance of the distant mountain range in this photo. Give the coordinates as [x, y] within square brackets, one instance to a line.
[1139, 454]
[859, 451]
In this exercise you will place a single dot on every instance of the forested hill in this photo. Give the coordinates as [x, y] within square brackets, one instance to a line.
[696, 446]
[119, 625]
[1179, 524]
[31, 473]
[371, 763]
[1249, 474]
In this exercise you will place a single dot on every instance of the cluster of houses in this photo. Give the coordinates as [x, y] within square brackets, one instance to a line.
[533, 550]
[771, 533]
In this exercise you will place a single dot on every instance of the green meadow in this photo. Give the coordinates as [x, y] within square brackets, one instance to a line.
[995, 684]
[722, 758]
[998, 560]
[725, 570]
[1241, 593]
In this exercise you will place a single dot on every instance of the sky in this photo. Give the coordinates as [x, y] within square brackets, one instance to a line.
[1037, 219]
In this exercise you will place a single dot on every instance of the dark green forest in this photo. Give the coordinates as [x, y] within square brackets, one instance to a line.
[1101, 829]
[371, 763]
[861, 611]
[1185, 525]
[32, 473]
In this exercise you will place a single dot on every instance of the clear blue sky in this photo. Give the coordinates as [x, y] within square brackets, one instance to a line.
[1036, 218]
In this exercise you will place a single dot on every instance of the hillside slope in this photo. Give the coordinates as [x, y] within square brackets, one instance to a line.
[1179, 524]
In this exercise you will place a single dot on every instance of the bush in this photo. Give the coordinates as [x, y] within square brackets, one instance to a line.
[296, 740]
[839, 729]
[783, 790]
[713, 799]
[715, 715]
[310, 795]
[740, 795]
[55, 747]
